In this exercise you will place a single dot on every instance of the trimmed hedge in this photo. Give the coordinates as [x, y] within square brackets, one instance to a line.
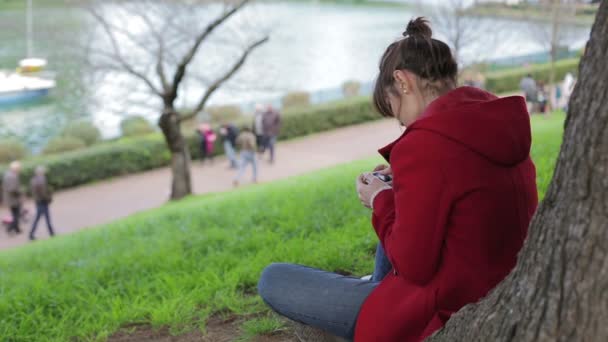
[508, 80]
[135, 126]
[136, 154]
[326, 117]
[11, 150]
[63, 144]
[223, 114]
[83, 130]
[296, 99]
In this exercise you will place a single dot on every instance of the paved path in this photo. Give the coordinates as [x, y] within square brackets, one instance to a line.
[103, 202]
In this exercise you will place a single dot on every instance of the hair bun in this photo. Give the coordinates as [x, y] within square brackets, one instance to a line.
[418, 27]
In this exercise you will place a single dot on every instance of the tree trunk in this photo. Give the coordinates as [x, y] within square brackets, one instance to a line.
[181, 184]
[559, 288]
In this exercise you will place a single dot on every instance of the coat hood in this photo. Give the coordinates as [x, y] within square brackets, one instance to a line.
[496, 128]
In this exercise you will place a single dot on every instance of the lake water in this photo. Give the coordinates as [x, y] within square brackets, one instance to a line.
[312, 47]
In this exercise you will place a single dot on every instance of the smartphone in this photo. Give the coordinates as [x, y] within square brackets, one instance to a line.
[383, 177]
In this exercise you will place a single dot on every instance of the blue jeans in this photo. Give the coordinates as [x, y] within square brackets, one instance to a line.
[324, 300]
[230, 153]
[247, 157]
[382, 264]
[269, 143]
[42, 209]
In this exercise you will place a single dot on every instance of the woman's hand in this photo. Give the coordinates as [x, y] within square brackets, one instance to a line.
[368, 186]
[384, 169]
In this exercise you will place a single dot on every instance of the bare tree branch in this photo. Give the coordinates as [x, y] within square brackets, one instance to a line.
[213, 87]
[127, 67]
[181, 68]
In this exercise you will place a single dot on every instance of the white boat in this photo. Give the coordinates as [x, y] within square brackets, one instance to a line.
[29, 82]
[16, 88]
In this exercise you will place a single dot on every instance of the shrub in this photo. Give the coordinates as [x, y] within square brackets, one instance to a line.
[99, 162]
[508, 80]
[134, 126]
[296, 99]
[299, 122]
[11, 149]
[351, 88]
[63, 144]
[224, 114]
[85, 131]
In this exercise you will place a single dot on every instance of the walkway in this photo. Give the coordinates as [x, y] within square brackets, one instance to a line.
[90, 205]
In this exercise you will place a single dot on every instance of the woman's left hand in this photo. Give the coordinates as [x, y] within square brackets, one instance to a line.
[368, 186]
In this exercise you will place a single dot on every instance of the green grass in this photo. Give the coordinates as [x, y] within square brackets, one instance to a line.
[177, 265]
[262, 326]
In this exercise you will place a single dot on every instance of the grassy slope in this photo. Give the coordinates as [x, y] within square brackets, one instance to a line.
[177, 265]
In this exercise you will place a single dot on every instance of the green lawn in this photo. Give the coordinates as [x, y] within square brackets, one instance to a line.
[178, 265]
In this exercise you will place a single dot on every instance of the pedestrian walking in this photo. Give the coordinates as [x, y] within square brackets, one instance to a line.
[229, 133]
[207, 142]
[528, 86]
[247, 145]
[13, 196]
[258, 128]
[272, 128]
[42, 196]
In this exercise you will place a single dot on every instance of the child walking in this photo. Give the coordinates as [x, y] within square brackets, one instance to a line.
[247, 145]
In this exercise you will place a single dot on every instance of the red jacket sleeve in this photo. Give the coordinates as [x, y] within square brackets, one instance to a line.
[410, 221]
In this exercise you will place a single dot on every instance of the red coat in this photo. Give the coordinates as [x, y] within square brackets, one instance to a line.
[463, 196]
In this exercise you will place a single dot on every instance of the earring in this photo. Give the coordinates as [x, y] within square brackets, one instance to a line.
[403, 88]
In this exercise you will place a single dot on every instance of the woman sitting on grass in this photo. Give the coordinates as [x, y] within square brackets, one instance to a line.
[453, 218]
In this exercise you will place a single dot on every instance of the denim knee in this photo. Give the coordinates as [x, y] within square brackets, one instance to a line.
[269, 283]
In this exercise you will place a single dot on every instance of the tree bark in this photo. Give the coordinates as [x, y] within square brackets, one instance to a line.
[559, 289]
[169, 124]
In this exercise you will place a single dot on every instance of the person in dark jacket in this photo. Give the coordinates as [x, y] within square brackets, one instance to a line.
[229, 133]
[42, 196]
[451, 220]
[272, 127]
[12, 195]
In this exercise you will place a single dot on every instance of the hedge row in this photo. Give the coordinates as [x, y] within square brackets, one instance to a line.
[508, 80]
[136, 154]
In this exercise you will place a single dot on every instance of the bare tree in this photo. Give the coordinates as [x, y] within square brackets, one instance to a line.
[157, 43]
[551, 35]
[559, 288]
[459, 28]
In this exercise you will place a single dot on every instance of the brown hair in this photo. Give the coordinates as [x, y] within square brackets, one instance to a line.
[430, 59]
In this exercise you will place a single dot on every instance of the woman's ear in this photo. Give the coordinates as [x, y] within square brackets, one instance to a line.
[405, 80]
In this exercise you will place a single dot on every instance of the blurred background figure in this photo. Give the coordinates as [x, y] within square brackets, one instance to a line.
[208, 139]
[247, 145]
[567, 87]
[229, 133]
[542, 97]
[528, 86]
[258, 127]
[42, 196]
[272, 127]
[13, 196]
